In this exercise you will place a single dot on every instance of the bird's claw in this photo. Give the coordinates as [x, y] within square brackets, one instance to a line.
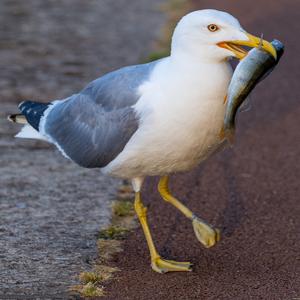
[206, 235]
[163, 265]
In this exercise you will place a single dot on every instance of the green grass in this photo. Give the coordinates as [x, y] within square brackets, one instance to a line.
[113, 232]
[156, 55]
[123, 208]
[91, 290]
[86, 277]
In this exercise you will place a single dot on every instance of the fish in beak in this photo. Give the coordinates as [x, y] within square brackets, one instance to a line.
[253, 42]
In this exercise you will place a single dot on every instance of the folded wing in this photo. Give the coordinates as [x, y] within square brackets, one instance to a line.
[93, 126]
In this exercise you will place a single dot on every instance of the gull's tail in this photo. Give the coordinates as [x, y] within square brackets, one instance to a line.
[31, 114]
[17, 118]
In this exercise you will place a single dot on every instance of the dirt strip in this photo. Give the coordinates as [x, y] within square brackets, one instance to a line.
[51, 210]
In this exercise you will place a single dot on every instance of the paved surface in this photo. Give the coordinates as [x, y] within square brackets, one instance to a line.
[50, 209]
[250, 192]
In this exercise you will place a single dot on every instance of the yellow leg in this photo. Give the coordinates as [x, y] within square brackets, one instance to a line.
[207, 235]
[158, 264]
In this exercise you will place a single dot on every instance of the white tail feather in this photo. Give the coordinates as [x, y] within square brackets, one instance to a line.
[28, 132]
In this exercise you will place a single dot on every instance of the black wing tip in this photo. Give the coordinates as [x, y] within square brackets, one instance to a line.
[33, 111]
[21, 104]
[12, 118]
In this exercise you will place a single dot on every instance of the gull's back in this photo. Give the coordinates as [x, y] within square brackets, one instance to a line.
[92, 127]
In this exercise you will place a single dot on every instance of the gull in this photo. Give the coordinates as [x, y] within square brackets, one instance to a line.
[152, 119]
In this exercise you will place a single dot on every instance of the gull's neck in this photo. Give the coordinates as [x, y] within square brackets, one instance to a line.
[196, 74]
[196, 64]
[195, 58]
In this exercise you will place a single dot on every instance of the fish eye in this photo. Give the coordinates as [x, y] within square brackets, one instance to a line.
[213, 27]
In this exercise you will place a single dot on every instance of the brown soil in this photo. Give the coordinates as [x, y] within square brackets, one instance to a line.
[251, 192]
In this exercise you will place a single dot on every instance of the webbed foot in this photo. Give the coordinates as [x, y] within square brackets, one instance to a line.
[206, 235]
[163, 266]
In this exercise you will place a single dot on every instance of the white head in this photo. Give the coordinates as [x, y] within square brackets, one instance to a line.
[213, 35]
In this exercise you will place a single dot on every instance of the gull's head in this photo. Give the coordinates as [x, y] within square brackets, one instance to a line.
[214, 35]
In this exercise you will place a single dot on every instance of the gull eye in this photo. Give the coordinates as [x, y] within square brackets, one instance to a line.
[212, 27]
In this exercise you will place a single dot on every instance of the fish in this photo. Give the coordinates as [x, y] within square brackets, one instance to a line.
[255, 67]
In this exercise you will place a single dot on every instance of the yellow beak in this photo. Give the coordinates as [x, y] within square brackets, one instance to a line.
[253, 42]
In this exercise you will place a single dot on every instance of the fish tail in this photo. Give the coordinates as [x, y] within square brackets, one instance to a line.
[222, 133]
[227, 134]
[230, 135]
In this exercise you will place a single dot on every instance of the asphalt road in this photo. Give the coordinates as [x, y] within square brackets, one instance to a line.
[50, 209]
[251, 192]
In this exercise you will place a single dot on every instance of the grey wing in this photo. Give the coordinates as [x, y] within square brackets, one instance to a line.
[93, 127]
[119, 88]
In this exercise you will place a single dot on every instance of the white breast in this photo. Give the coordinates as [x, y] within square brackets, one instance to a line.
[181, 112]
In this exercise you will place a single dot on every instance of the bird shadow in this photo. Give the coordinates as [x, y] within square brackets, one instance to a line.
[234, 212]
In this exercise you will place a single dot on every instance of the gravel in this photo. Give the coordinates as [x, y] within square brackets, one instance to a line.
[50, 209]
